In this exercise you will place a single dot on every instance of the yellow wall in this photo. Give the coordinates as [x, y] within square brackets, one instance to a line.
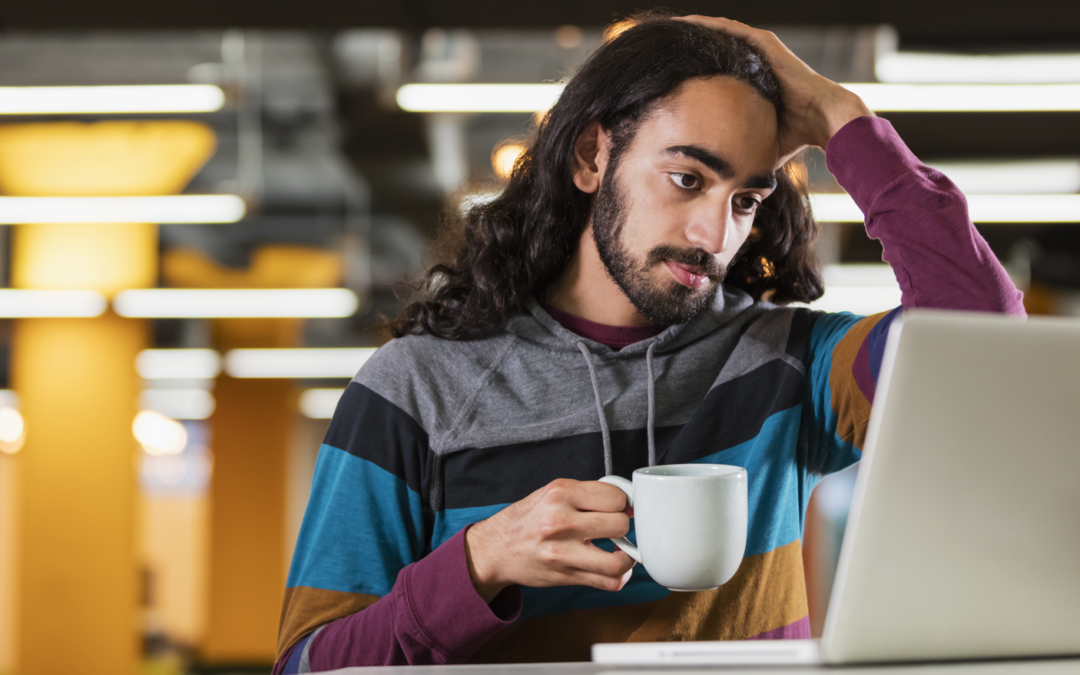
[78, 471]
[77, 553]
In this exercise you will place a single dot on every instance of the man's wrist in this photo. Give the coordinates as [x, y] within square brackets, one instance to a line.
[839, 107]
[481, 571]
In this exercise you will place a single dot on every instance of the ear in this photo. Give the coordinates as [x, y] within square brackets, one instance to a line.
[591, 152]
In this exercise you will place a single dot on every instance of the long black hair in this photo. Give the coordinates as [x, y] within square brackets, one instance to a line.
[499, 253]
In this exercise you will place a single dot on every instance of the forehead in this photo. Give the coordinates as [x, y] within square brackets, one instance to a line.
[720, 114]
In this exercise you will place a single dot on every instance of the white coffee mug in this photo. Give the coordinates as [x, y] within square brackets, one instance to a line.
[690, 521]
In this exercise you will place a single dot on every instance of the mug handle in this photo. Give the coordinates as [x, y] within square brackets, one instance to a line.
[622, 542]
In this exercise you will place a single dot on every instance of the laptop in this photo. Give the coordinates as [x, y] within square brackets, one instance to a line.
[964, 535]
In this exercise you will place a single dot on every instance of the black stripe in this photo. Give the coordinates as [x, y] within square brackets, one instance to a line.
[731, 414]
[370, 427]
[508, 473]
[798, 344]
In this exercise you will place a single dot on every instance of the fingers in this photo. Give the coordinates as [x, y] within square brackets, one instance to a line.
[587, 565]
[587, 495]
[722, 25]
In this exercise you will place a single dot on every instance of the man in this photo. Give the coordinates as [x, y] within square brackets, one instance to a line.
[614, 308]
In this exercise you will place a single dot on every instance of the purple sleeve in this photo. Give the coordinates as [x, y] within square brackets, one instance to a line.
[939, 258]
[432, 615]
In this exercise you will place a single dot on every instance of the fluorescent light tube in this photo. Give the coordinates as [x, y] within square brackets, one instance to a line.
[969, 97]
[860, 289]
[296, 363]
[179, 404]
[920, 67]
[879, 97]
[478, 97]
[236, 303]
[180, 209]
[1060, 176]
[168, 98]
[17, 304]
[840, 208]
[178, 364]
[319, 404]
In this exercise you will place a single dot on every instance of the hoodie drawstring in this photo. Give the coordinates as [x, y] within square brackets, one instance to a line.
[599, 407]
[652, 406]
[604, 431]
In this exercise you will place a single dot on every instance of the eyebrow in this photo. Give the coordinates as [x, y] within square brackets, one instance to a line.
[721, 166]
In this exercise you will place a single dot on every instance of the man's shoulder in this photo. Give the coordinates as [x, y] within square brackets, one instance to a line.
[426, 375]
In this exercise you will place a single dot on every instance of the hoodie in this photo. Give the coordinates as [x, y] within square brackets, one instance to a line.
[434, 435]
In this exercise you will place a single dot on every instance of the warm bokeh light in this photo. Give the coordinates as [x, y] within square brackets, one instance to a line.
[158, 434]
[12, 431]
[568, 37]
[504, 157]
[296, 363]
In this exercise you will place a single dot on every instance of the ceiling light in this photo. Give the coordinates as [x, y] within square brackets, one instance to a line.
[296, 363]
[478, 97]
[860, 289]
[968, 97]
[320, 404]
[1024, 208]
[179, 404]
[179, 209]
[919, 67]
[177, 364]
[168, 98]
[879, 97]
[1014, 177]
[239, 303]
[17, 303]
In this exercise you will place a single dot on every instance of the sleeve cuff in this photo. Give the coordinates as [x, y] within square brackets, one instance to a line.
[865, 156]
[446, 607]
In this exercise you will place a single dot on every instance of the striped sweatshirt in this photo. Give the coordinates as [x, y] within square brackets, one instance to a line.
[434, 435]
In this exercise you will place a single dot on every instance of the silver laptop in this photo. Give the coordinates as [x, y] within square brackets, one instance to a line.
[964, 535]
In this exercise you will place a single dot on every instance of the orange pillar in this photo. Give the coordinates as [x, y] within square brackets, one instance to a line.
[251, 433]
[76, 554]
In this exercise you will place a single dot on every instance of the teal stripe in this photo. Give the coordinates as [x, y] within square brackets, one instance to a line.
[451, 521]
[775, 499]
[830, 452]
[361, 527]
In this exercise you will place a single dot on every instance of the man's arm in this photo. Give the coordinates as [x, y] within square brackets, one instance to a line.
[921, 218]
[359, 574]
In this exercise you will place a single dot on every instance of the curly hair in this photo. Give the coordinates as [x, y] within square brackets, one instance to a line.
[499, 253]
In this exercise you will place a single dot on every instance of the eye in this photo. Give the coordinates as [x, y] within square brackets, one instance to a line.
[686, 181]
[747, 203]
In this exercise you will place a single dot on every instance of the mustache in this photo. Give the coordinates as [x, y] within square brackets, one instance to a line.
[692, 257]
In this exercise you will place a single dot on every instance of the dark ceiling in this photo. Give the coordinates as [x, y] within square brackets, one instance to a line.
[963, 23]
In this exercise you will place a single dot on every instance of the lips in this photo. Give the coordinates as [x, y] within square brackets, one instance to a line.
[687, 276]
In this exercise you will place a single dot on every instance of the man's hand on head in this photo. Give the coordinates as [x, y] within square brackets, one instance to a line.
[545, 540]
[815, 107]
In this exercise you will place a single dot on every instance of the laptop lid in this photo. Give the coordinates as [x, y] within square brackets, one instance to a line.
[964, 535]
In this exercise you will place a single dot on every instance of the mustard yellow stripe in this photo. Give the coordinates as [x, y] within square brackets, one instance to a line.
[305, 609]
[848, 402]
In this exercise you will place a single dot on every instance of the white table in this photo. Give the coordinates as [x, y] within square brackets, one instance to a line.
[1017, 667]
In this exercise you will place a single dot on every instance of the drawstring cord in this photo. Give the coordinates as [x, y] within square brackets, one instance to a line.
[599, 407]
[604, 431]
[652, 406]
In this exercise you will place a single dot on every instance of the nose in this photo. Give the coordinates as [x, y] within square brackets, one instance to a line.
[712, 228]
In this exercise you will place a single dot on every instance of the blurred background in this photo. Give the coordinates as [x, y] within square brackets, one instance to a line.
[205, 206]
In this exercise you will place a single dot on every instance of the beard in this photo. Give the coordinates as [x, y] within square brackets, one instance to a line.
[660, 302]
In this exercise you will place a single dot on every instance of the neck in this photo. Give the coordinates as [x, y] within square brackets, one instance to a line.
[586, 290]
